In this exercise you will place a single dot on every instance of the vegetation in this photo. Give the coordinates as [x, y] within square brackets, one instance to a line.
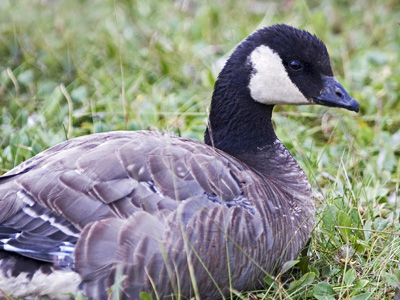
[70, 68]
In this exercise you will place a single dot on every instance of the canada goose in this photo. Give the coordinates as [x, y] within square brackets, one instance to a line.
[167, 215]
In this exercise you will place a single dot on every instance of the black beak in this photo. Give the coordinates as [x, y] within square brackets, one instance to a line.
[335, 95]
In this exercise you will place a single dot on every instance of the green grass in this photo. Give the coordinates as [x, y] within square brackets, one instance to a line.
[69, 68]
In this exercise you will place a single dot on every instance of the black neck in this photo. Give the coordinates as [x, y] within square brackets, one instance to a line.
[237, 123]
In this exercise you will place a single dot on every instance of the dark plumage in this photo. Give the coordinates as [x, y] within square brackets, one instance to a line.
[173, 216]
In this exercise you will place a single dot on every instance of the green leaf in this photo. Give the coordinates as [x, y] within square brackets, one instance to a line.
[289, 264]
[360, 284]
[324, 297]
[145, 296]
[350, 276]
[269, 281]
[323, 291]
[304, 281]
[391, 279]
[325, 271]
[380, 223]
[364, 296]
[345, 221]
[304, 263]
[79, 297]
[314, 270]
[328, 220]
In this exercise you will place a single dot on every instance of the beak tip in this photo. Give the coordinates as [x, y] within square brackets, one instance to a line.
[334, 95]
[354, 106]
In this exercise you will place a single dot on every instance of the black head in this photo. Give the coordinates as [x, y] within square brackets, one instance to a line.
[303, 56]
[285, 65]
[275, 65]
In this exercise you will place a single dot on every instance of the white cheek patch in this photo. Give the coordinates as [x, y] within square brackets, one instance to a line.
[271, 84]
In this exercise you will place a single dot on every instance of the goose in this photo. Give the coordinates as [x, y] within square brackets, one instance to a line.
[147, 211]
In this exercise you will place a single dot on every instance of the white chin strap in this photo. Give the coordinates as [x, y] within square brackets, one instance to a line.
[270, 83]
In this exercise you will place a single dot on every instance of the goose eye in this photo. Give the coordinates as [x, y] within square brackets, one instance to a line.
[295, 65]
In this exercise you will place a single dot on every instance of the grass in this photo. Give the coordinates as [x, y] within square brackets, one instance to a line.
[69, 68]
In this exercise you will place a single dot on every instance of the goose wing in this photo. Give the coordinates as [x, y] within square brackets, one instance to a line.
[119, 186]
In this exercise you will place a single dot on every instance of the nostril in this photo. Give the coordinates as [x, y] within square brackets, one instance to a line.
[338, 93]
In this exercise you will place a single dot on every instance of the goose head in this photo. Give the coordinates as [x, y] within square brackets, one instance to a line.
[277, 65]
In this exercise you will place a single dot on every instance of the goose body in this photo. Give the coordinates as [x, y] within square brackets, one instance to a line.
[171, 216]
